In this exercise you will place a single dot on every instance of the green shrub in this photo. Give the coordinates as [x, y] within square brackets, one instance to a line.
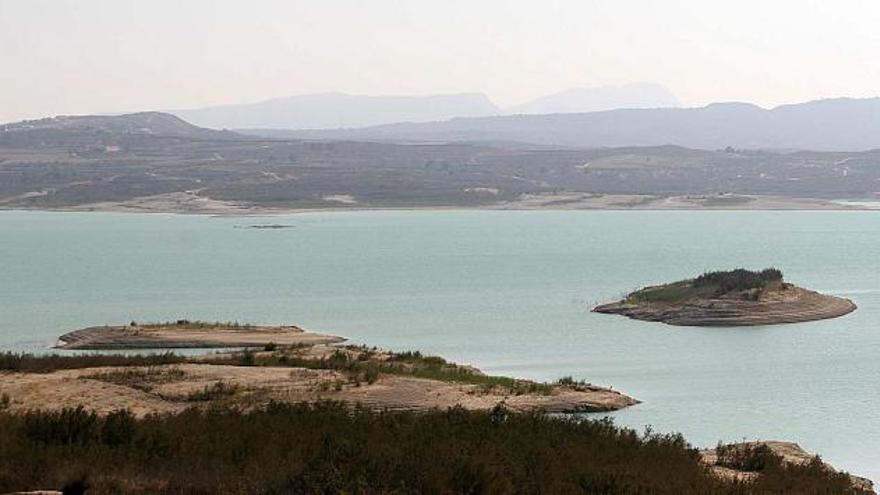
[247, 358]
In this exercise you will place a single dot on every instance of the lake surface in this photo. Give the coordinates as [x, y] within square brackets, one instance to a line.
[507, 291]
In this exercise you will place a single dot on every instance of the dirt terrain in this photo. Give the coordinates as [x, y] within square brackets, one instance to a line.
[307, 372]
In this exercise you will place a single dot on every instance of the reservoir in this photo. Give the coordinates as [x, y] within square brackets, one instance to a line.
[509, 292]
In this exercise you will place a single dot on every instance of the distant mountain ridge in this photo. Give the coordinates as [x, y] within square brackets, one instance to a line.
[841, 124]
[598, 99]
[340, 110]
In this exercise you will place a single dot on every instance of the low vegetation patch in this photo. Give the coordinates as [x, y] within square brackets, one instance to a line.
[359, 364]
[232, 325]
[329, 448]
[745, 457]
[219, 390]
[711, 284]
[13, 361]
[739, 279]
[144, 379]
[362, 364]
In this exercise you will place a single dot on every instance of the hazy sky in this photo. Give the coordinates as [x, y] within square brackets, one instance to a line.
[82, 56]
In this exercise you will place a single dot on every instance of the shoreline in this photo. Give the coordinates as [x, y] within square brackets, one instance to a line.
[280, 363]
[164, 204]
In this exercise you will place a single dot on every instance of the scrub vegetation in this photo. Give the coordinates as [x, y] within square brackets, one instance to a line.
[328, 448]
[712, 284]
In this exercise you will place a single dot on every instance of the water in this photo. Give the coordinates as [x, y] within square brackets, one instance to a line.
[507, 291]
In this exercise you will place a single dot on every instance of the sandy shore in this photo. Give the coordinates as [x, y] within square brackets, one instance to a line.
[188, 335]
[191, 203]
[793, 305]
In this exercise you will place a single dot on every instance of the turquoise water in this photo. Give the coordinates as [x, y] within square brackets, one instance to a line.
[507, 291]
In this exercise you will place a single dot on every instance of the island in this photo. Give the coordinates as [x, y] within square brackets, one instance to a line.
[731, 298]
[183, 334]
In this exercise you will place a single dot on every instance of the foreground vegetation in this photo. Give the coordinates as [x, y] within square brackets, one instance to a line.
[328, 448]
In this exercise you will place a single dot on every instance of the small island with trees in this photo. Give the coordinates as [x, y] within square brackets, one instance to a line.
[737, 297]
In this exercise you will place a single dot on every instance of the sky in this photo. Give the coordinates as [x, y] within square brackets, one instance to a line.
[96, 56]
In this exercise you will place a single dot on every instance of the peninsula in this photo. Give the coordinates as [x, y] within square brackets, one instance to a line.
[265, 364]
[737, 297]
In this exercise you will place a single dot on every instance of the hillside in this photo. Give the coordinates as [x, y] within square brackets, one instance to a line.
[136, 124]
[828, 125]
[156, 162]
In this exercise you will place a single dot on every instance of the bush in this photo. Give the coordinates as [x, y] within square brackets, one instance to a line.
[66, 427]
[247, 358]
[118, 428]
[745, 457]
[219, 390]
[371, 374]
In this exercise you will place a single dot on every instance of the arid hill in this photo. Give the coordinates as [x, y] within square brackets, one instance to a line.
[157, 162]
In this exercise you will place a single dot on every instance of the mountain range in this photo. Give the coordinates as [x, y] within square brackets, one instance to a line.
[582, 100]
[340, 110]
[842, 124]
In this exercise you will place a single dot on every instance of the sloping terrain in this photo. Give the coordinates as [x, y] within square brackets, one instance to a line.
[154, 162]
